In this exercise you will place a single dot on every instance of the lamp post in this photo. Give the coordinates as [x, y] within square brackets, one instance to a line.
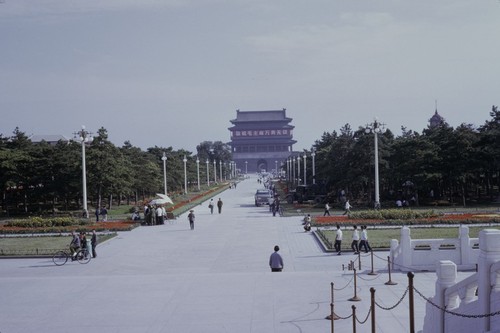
[246, 167]
[313, 155]
[198, 171]
[220, 170]
[185, 176]
[215, 172]
[208, 172]
[293, 170]
[376, 128]
[276, 167]
[305, 159]
[164, 159]
[84, 136]
[298, 169]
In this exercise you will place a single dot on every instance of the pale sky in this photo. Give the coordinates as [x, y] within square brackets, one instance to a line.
[173, 72]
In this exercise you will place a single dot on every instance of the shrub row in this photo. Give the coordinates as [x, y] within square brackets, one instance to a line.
[39, 222]
[393, 214]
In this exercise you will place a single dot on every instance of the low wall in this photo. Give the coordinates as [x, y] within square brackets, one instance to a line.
[423, 254]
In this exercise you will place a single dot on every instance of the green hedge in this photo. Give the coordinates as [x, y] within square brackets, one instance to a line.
[39, 222]
[393, 214]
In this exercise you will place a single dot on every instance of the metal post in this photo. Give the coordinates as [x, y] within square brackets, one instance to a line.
[208, 178]
[298, 170]
[220, 170]
[353, 318]
[377, 196]
[164, 159]
[359, 259]
[305, 160]
[372, 308]
[390, 282]
[198, 171]
[355, 298]
[372, 271]
[313, 155]
[410, 294]
[185, 176]
[215, 172]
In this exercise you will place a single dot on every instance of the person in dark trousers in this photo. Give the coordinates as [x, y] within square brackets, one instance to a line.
[219, 205]
[74, 246]
[211, 206]
[364, 240]
[191, 219]
[338, 240]
[327, 210]
[275, 261]
[93, 242]
[97, 214]
[355, 240]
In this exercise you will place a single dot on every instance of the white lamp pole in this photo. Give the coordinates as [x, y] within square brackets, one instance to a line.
[164, 159]
[220, 170]
[293, 170]
[246, 167]
[84, 136]
[376, 128]
[215, 171]
[198, 171]
[305, 159]
[313, 155]
[208, 174]
[185, 176]
[298, 170]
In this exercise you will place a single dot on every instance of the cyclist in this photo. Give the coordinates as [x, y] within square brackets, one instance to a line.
[75, 244]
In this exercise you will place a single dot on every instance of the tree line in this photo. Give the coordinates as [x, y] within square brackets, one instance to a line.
[455, 165]
[43, 177]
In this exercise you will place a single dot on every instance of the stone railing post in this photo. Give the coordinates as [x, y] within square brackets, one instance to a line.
[489, 253]
[465, 248]
[446, 272]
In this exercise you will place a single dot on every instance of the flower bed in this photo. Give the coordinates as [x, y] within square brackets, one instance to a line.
[467, 218]
[97, 226]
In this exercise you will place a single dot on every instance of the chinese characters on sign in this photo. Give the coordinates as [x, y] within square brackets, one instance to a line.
[249, 133]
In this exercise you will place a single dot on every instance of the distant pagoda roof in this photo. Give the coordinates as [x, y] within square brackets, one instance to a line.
[436, 120]
[258, 116]
[50, 138]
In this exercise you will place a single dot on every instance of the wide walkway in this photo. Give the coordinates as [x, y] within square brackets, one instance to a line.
[213, 279]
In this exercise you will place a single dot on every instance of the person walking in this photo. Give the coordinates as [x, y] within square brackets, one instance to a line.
[219, 205]
[97, 214]
[364, 240]
[191, 219]
[75, 244]
[104, 213]
[355, 240]
[327, 210]
[276, 261]
[211, 206]
[347, 207]
[338, 241]
[93, 242]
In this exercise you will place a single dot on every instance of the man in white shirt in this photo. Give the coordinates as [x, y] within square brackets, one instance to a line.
[338, 240]
[355, 240]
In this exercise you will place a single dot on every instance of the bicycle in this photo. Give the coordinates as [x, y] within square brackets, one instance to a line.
[61, 257]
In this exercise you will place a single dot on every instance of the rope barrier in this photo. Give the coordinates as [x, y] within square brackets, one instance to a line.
[395, 305]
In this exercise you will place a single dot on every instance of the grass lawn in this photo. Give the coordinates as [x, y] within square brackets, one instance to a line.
[39, 245]
[381, 238]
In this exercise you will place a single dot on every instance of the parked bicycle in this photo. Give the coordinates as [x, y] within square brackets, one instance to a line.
[61, 257]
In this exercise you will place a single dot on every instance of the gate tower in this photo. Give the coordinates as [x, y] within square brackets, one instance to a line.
[261, 140]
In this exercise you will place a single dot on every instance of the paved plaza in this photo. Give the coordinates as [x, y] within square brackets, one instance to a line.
[213, 279]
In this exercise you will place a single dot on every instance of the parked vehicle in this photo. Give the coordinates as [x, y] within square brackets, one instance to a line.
[263, 197]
